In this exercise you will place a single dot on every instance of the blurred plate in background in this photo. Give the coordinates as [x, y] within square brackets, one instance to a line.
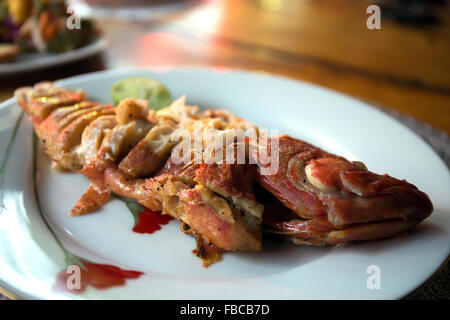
[35, 61]
[135, 10]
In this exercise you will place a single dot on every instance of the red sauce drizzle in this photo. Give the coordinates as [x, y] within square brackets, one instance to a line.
[99, 276]
[150, 221]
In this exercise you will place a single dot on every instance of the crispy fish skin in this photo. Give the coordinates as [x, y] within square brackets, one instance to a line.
[106, 141]
[94, 198]
[40, 106]
[348, 201]
[232, 235]
[204, 211]
[113, 146]
[319, 198]
[151, 152]
[233, 182]
[59, 117]
[281, 220]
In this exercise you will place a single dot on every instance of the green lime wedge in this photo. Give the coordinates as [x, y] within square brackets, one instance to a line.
[151, 90]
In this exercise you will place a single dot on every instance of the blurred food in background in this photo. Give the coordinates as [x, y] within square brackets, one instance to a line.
[39, 25]
[131, 10]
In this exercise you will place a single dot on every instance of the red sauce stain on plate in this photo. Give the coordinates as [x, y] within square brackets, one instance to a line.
[99, 276]
[150, 221]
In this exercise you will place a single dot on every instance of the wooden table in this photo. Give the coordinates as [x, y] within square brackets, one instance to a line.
[325, 42]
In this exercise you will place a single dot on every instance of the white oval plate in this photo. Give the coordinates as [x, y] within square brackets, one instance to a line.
[36, 61]
[30, 257]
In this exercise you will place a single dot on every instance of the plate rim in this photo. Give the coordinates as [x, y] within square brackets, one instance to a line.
[17, 293]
